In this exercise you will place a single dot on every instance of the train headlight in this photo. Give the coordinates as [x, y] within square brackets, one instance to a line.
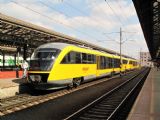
[31, 77]
[35, 78]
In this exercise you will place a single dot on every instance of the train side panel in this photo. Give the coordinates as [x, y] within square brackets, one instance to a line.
[62, 71]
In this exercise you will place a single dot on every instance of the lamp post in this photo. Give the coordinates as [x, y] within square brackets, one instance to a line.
[120, 45]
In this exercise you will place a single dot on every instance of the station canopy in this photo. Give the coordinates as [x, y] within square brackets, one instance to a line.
[149, 16]
[17, 33]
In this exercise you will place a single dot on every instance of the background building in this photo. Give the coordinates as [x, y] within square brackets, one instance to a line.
[145, 59]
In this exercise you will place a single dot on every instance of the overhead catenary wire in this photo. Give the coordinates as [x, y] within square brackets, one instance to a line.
[129, 21]
[68, 16]
[121, 10]
[54, 20]
[118, 18]
[107, 17]
[82, 12]
[86, 14]
[125, 16]
[94, 19]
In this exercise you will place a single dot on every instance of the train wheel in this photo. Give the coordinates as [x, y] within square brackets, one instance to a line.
[76, 82]
[70, 86]
[111, 74]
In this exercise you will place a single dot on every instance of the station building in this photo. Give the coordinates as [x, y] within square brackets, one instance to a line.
[145, 59]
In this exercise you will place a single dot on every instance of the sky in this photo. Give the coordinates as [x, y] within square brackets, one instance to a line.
[94, 21]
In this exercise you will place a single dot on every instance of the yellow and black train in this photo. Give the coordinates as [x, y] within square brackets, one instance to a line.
[57, 65]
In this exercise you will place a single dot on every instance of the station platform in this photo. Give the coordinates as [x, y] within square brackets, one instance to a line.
[147, 104]
[12, 86]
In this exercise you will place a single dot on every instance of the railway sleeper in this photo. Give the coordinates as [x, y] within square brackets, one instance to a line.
[100, 107]
[99, 110]
[95, 116]
[105, 105]
[104, 112]
[84, 118]
[96, 112]
[106, 108]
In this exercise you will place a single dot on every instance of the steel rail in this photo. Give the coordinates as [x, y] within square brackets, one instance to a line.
[19, 102]
[84, 114]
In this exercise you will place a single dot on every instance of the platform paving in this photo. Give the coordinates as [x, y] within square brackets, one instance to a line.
[12, 86]
[147, 104]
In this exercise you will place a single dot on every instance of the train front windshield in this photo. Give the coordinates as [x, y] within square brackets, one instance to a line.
[42, 59]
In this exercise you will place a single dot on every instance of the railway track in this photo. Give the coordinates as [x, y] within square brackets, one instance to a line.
[23, 101]
[109, 105]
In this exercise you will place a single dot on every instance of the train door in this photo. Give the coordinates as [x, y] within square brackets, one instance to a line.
[98, 65]
[112, 61]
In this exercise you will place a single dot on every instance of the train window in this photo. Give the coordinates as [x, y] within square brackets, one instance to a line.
[88, 58]
[105, 62]
[110, 62]
[91, 58]
[84, 58]
[78, 57]
[102, 62]
[135, 63]
[66, 59]
[113, 63]
[130, 62]
[45, 54]
[69, 58]
[125, 61]
[72, 58]
[94, 58]
[116, 63]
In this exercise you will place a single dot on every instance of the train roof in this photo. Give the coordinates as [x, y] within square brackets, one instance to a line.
[61, 46]
[55, 45]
